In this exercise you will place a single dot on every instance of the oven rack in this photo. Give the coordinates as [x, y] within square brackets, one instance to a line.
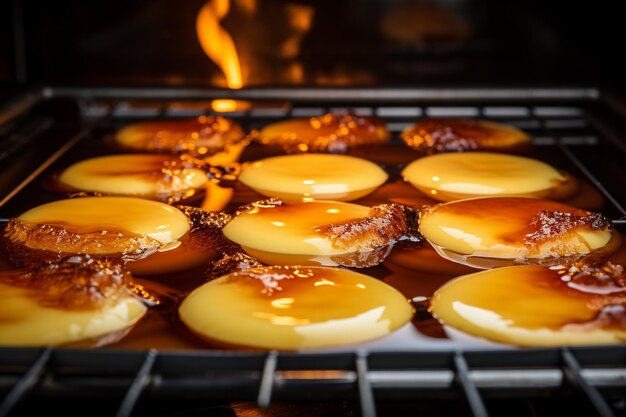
[593, 377]
[582, 125]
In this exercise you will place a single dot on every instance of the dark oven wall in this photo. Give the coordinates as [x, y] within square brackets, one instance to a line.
[7, 50]
[336, 42]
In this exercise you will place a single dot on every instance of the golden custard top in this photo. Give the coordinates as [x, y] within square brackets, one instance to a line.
[514, 227]
[321, 227]
[536, 305]
[292, 228]
[116, 214]
[135, 174]
[328, 133]
[458, 135]
[98, 225]
[318, 176]
[295, 307]
[481, 174]
[204, 134]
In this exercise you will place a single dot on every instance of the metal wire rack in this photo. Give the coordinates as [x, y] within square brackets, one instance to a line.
[577, 126]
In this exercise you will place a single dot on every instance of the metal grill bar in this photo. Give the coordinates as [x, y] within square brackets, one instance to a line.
[139, 384]
[18, 139]
[573, 374]
[26, 383]
[366, 395]
[330, 94]
[267, 380]
[467, 385]
[46, 164]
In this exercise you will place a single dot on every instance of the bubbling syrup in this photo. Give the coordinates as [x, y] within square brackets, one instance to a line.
[430, 136]
[535, 306]
[294, 308]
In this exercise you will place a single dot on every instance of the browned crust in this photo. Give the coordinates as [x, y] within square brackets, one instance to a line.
[204, 135]
[384, 225]
[26, 242]
[369, 239]
[550, 225]
[431, 136]
[206, 227]
[596, 277]
[271, 276]
[75, 283]
[268, 203]
[349, 130]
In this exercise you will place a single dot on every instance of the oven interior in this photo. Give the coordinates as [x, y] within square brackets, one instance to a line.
[72, 73]
[578, 129]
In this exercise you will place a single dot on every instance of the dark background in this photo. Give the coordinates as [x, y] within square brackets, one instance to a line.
[117, 42]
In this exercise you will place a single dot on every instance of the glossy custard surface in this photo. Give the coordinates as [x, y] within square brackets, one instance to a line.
[131, 217]
[451, 176]
[138, 175]
[527, 305]
[295, 308]
[292, 228]
[317, 176]
[498, 227]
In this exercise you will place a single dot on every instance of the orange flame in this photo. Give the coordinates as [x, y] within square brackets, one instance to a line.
[217, 42]
[259, 40]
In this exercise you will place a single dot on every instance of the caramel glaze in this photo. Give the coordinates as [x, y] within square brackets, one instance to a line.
[531, 221]
[159, 329]
[570, 298]
[288, 303]
[163, 171]
[203, 135]
[619, 256]
[521, 211]
[460, 135]
[124, 245]
[418, 286]
[75, 283]
[334, 133]
[422, 257]
[322, 233]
